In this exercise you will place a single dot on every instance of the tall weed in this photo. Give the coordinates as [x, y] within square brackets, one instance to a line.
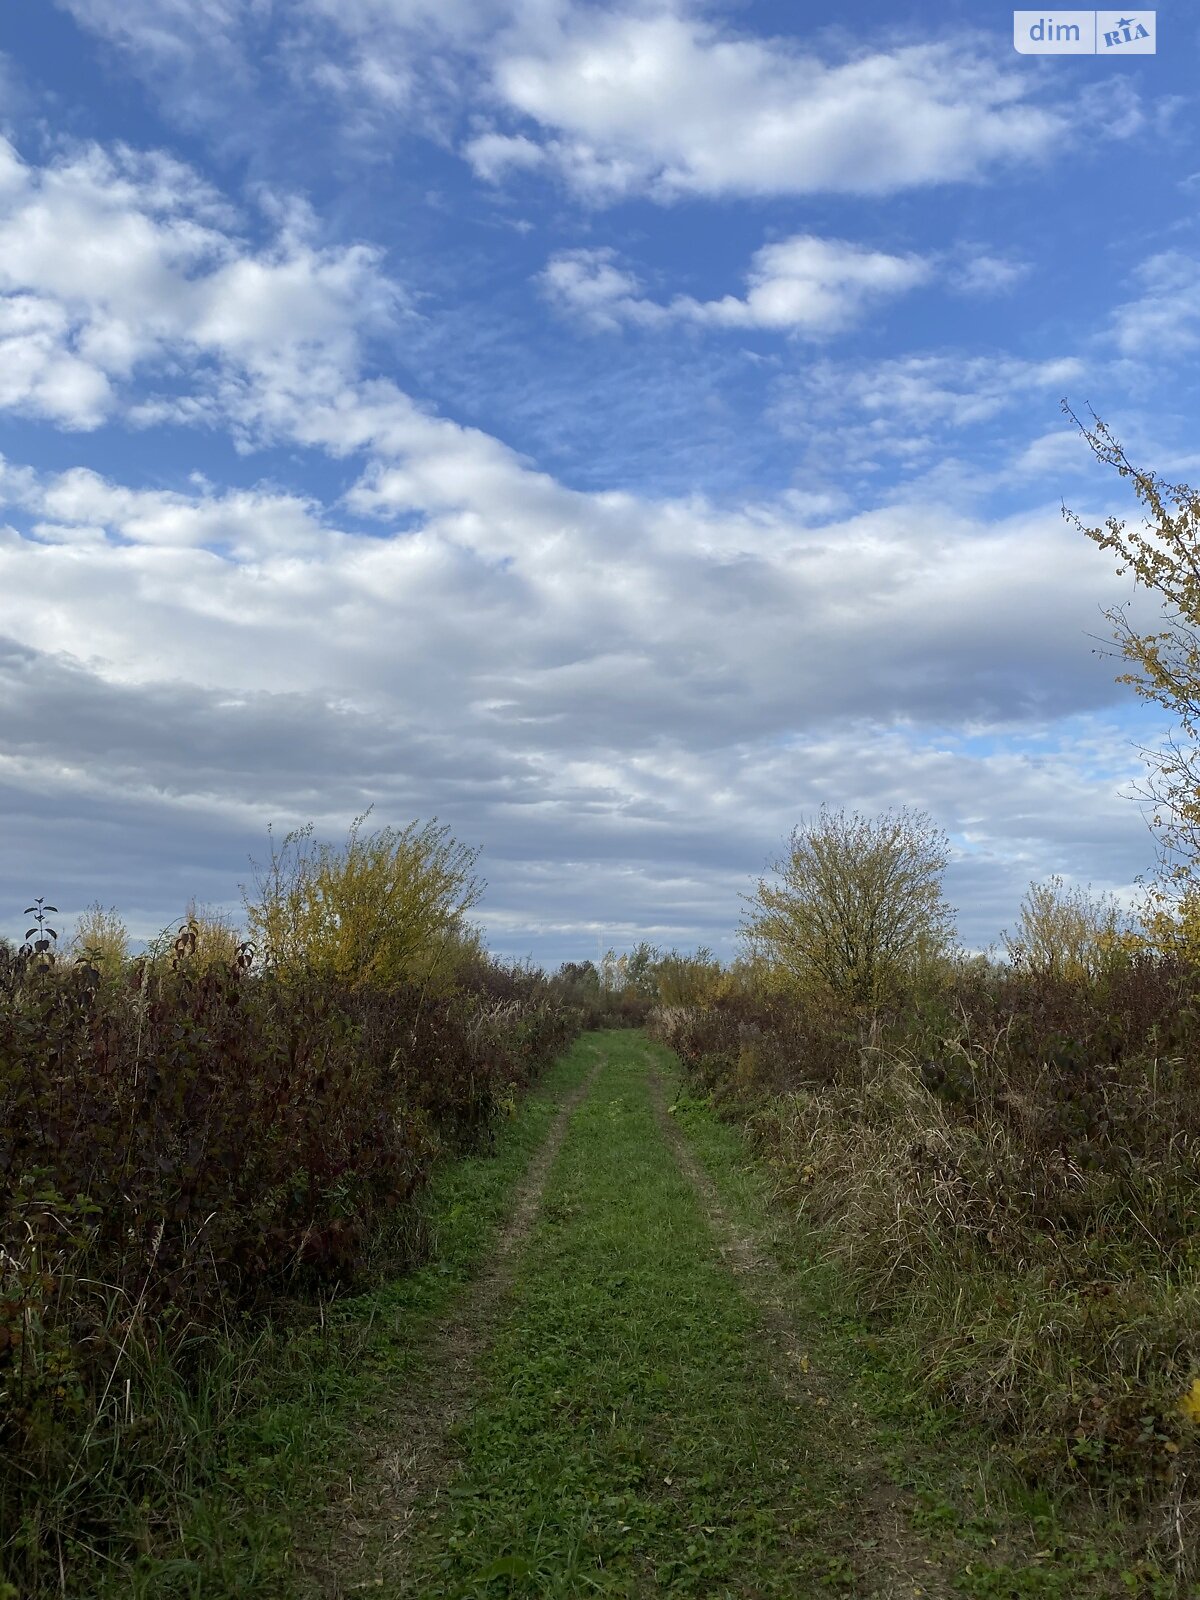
[185, 1145]
[1006, 1168]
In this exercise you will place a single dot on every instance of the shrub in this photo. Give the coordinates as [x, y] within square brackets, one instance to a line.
[1005, 1172]
[383, 909]
[1069, 933]
[181, 1142]
[853, 902]
[100, 939]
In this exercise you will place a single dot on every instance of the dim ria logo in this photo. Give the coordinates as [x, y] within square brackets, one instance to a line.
[1084, 33]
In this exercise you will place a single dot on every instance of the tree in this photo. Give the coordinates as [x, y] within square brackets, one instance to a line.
[1163, 557]
[383, 909]
[579, 978]
[102, 939]
[853, 902]
[1067, 933]
[639, 970]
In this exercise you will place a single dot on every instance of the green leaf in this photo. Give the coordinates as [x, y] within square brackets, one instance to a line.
[507, 1567]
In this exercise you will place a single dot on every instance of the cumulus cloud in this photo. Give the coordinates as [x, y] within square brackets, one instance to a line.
[589, 284]
[672, 105]
[802, 285]
[519, 604]
[40, 372]
[645, 684]
[111, 261]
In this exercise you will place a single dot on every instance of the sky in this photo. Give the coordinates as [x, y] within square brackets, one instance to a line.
[615, 430]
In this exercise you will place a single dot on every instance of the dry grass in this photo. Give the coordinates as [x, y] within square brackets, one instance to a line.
[1007, 1174]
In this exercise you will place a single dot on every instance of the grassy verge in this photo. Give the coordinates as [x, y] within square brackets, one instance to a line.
[1004, 1168]
[630, 1440]
[999, 1536]
[277, 1418]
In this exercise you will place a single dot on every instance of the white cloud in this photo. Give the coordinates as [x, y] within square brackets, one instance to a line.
[901, 409]
[1165, 317]
[244, 525]
[39, 372]
[1060, 450]
[517, 600]
[494, 154]
[802, 285]
[589, 284]
[671, 105]
[113, 260]
[979, 272]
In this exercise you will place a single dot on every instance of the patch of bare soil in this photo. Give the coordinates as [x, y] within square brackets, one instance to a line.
[364, 1540]
[890, 1560]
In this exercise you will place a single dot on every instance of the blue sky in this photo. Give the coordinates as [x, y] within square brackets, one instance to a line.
[614, 430]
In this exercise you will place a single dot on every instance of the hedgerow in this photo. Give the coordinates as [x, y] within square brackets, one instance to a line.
[186, 1144]
[1005, 1168]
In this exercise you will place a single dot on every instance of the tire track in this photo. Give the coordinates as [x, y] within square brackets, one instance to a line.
[367, 1535]
[902, 1567]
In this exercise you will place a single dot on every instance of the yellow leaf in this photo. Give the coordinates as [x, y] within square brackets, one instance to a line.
[1190, 1404]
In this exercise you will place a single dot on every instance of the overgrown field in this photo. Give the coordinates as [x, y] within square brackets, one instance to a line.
[187, 1146]
[1006, 1169]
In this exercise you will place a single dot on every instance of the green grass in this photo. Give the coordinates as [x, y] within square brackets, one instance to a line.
[281, 1416]
[628, 1436]
[630, 1440]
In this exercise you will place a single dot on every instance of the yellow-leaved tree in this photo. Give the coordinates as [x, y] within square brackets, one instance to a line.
[101, 939]
[383, 909]
[853, 903]
[1068, 933]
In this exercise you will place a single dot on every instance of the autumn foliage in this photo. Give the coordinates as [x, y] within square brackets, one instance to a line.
[1005, 1169]
[190, 1139]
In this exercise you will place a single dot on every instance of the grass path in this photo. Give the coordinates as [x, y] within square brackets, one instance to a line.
[643, 1427]
[620, 1374]
[656, 1405]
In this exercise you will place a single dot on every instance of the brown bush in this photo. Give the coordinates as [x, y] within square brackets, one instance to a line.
[182, 1140]
[1006, 1172]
